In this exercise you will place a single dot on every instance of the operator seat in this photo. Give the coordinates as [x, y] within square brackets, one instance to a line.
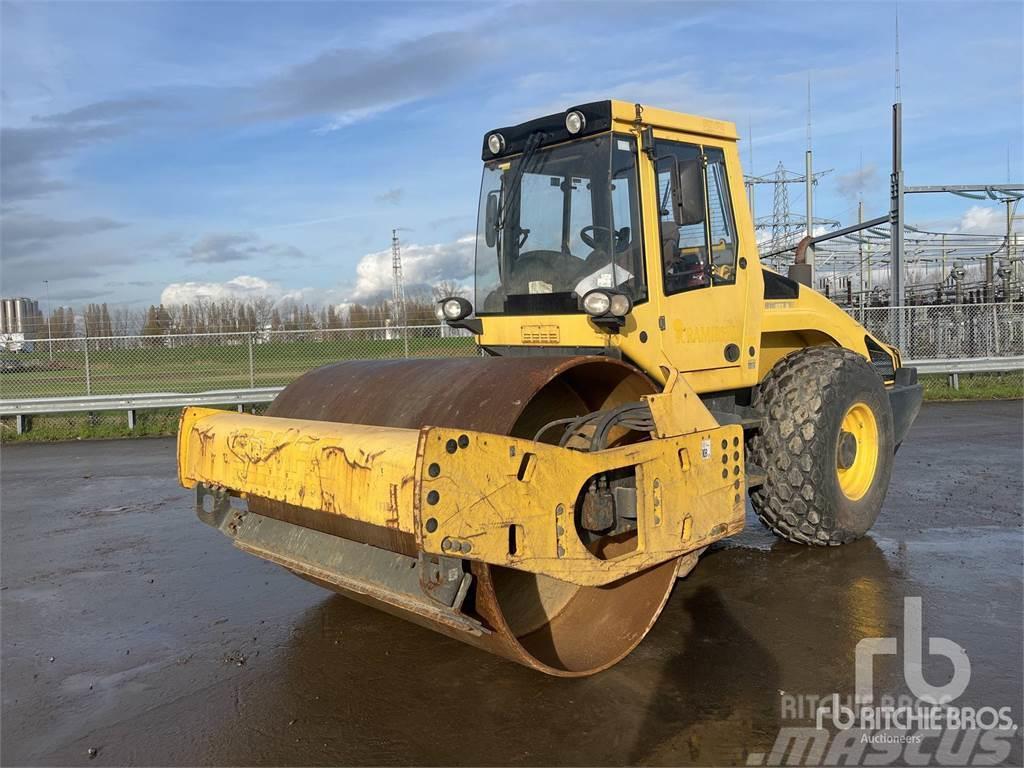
[669, 244]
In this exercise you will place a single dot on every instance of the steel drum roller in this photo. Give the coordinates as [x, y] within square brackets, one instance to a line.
[539, 621]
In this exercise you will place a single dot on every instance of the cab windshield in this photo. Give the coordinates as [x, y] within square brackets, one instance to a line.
[556, 223]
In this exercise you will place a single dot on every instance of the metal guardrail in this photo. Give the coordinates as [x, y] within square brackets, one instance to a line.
[966, 365]
[21, 408]
[36, 405]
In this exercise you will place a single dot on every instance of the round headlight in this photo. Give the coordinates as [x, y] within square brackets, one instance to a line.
[575, 122]
[596, 303]
[496, 143]
[455, 308]
[620, 305]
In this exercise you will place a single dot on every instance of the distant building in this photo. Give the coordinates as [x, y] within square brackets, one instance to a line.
[20, 324]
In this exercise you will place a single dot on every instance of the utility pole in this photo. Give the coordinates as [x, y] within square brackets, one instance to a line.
[1014, 263]
[49, 332]
[868, 265]
[398, 314]
[809, 181]
[896, 204]
[943, 276]
[896, 289]
[1009, 229]
[989, 277]
[860, 251]
[1011, 206]
[809, 187]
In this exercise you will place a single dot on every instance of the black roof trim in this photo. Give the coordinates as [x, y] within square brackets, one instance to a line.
[598, 116]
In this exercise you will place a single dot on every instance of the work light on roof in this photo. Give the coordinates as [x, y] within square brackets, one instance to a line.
[575, 122]
[496, 143]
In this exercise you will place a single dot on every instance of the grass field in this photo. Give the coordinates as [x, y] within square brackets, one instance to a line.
[1005, 385]
[197, 368]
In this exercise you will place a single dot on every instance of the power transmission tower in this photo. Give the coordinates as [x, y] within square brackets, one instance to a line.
[399, 317]
[784, 225]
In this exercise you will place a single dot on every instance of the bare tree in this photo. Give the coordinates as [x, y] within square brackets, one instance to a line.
[447, 288]
[263, 307]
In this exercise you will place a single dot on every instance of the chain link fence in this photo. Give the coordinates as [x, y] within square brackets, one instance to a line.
[121, 365]
[950, 331]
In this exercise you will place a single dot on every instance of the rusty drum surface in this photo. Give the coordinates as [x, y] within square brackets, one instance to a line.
[544, 623]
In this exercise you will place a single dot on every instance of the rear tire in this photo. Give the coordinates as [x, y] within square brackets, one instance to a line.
[826, 444]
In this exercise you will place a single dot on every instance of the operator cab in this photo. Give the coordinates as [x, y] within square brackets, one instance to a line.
[559, 216]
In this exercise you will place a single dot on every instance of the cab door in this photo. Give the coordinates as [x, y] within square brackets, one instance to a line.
[704, 286]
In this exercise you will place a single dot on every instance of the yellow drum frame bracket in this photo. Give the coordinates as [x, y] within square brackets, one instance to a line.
[512, 502]
[351, 470]
[474, 485]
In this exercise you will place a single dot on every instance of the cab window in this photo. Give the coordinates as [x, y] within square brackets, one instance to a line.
[723, 238]
[706, 225]
[540, 216]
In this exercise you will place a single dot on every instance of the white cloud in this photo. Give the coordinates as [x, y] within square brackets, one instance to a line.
[423, 266]
[349, 117]
[241, 287]
[982, 220]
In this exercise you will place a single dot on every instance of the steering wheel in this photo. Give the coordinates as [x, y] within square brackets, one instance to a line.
[589, 240]
[619, 236]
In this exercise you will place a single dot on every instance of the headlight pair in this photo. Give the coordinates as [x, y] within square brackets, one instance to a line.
[607, 308]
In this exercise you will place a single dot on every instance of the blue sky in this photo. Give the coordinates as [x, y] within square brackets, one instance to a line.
[175, 149]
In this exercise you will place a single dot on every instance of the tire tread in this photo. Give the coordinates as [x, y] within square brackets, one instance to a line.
[793, 502]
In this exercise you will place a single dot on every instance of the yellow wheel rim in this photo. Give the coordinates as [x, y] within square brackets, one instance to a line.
[857, 451]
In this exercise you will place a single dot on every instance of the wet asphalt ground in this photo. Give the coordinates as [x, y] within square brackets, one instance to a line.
[131, 629]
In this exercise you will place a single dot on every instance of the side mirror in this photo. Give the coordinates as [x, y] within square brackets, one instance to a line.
[491, 218]
[687, 193]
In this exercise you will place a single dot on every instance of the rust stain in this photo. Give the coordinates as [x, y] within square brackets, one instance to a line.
[327, 502]
[392, 522]
[331, 451]
[253, 451]
[371, 457]
[205, 436]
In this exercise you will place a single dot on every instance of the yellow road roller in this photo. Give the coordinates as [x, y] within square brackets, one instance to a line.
[640, 376]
